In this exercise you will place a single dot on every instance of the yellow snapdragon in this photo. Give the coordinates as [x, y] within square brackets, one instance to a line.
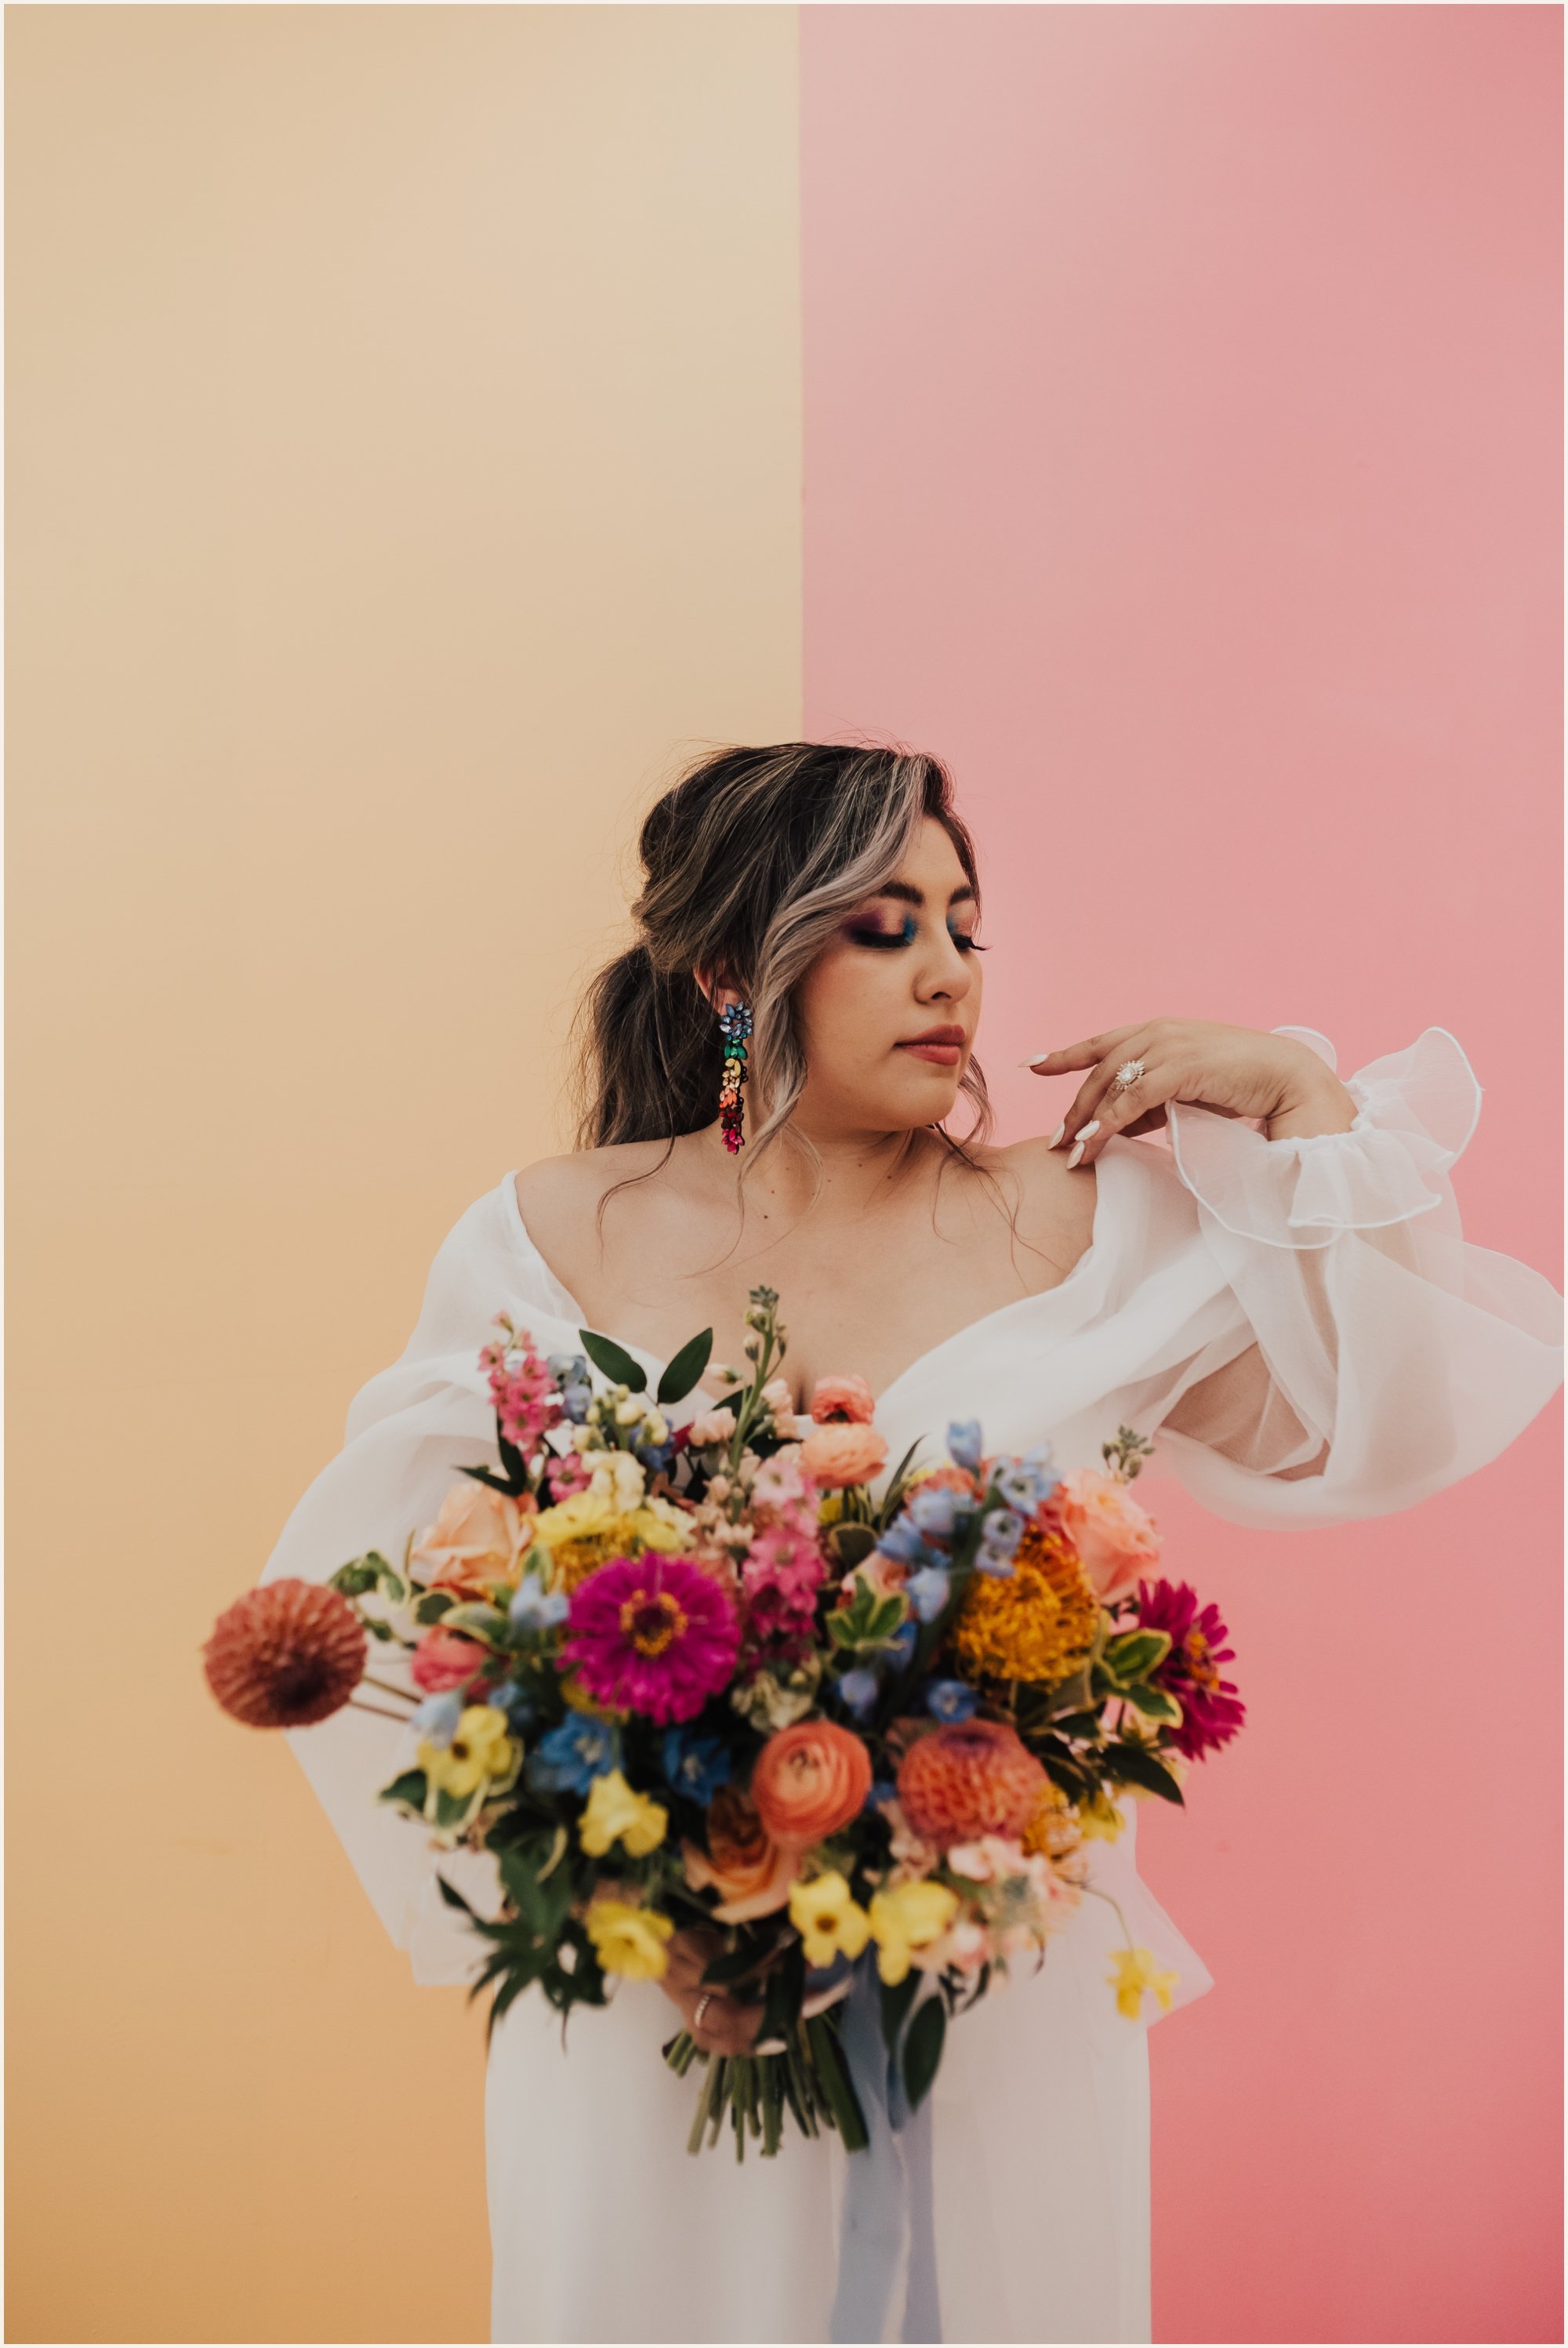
[616, 1812]
[910, 1917]
[829, 1919]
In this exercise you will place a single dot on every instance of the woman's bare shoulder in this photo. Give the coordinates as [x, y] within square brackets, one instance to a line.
[574, 1186]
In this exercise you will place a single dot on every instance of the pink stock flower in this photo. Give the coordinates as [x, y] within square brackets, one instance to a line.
[523, 1392]
[780, 1575]
[568, 1474]
[842, 1398]
[444, 1660]
[653, 1634]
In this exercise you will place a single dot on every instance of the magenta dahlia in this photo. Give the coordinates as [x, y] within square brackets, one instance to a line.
[653, 1634]
[1211, 1710]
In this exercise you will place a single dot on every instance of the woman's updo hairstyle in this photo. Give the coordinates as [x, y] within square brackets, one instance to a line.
[750, 861]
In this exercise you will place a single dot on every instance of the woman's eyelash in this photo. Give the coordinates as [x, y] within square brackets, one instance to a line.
[874, 937]
[965, 943]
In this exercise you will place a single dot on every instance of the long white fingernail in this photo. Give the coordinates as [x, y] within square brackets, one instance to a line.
[1057, 1135]
[1076, 1152]
[1093, 1127]
[1033, 1059]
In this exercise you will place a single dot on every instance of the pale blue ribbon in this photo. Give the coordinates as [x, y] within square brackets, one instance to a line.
[889, 2200]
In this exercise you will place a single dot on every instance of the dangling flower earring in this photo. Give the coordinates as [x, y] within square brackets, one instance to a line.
[735, 1026]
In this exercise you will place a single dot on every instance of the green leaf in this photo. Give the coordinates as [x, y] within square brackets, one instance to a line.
[433, 1605]
[683, 1372]
[852, 1544]
[1138, 1766]
[1153, 1702]
[1135, 1653]
[378, 1630]
[352, 1580]
[409, 1789]
[488, 1475]
[841, 2099]
[613, 1360]
[896, 1486]
[478, 1621]
[923, 2049]
[895, 2005]
[513, 1462]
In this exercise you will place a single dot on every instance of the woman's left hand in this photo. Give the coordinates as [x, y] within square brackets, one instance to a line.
[1236, 1071]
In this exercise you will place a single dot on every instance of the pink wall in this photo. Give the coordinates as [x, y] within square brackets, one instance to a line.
[1183, 428]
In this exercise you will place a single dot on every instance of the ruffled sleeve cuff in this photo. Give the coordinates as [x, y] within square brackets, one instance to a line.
[1416, 1110]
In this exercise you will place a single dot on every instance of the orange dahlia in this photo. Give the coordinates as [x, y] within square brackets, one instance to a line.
[968, 1778]
[283, 1655]
[1036, 1623]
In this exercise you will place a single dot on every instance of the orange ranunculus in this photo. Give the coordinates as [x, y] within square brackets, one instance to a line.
[1116, 1540]
[842, 1398]
[480, 1537]
[742, 1863]
[837, 1454]
[808, 1781]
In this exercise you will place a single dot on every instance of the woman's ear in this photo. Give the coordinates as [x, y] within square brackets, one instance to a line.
[717, 991]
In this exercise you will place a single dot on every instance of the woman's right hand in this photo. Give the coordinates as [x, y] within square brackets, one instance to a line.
[729, 2022]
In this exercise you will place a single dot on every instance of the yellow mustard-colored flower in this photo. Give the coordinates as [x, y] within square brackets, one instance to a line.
[481, 1747]
[1100, 1818]
[907, 1917]
[829, 1919]
[584, 1531]
[1036, 1623]
[1053, 1832]
[1136, 1972]
[616, 1812]
[629, 1940]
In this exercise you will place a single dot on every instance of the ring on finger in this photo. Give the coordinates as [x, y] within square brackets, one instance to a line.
[1127, 1074]
[704, 2002]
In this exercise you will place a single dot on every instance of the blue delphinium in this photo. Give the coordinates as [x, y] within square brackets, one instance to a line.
[570, 1372]
[999, 1537]
[858, 1692]
[901, 1541]
[928, 1592]
[534, 1608]
[966, 1443]
[950, 1700]
[696, 1766]
[933, 1512]
[901, 1647]
[570, 1757]
[437, 1718]
[1028, 1479]
[517, 1704]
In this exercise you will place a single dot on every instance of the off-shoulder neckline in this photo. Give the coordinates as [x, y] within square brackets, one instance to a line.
[1095, 1250]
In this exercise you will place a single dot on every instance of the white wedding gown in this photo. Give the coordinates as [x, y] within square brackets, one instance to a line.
[1323, 1290]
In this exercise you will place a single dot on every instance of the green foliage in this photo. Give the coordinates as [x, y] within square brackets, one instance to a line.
[433, 1605]
[371, 1571]
[1134, 1654]
[476, 1620]
[923, 2049]
[682, 1373]
[1154, 1702]
[615, 1361]
[1135, 1765]
[868, 1622]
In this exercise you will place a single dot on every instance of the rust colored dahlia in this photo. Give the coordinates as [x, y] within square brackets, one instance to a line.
[1036, 1623]
[285, 1654]
[969, 1778]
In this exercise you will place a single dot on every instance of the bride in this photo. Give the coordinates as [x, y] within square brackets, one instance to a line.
[1280, 1298]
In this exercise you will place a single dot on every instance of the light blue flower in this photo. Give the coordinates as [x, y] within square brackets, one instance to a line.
[933, 1512]
[964, 1443]
[437, 1718]
[516, 1702]
[696, 1766]
[1027, 1480]
[534, 1608]
[999, 1536]
[901, 1647]
[901, 1541]
[928, 1592]
[950, 1700]
[858, 1692]
[882, 1789]
[568, 1369]
[568, 1760]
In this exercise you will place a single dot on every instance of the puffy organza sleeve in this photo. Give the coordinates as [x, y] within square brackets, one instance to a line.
[410, 1432]
[1390, 1356]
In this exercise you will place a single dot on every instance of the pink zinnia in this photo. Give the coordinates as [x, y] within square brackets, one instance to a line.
[1212, 1712]
[653, 1634]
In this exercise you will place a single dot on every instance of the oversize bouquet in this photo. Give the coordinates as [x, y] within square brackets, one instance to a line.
[704, 1676]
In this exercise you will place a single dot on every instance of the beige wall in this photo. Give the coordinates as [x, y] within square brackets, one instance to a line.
[404, 473]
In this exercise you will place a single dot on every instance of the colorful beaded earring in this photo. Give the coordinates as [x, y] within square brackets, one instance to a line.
[735, 1026]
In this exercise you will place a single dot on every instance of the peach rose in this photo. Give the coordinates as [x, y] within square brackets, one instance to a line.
[840, 1454]
[1117, 1540]
[810, 1780]
[478, 1537]
[742, 1863]
[842, 1398]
